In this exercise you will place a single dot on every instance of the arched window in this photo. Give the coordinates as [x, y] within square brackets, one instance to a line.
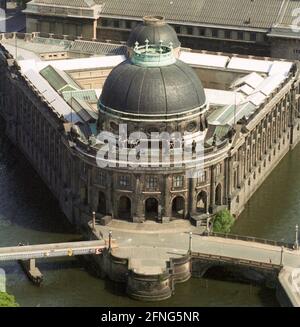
[102, 203]
[178, 207]
[218, 195]
[202, 202]
[124, 210]
[151, 208]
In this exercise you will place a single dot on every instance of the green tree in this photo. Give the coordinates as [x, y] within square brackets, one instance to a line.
[7, 300]
[22, 3]
[223, 222]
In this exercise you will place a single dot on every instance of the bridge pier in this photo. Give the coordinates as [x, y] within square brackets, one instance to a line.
[32, 271]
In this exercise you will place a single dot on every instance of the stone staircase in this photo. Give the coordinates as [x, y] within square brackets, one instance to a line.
[201, 220]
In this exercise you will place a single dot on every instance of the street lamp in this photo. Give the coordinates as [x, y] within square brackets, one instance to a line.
[281, 256]
[94, 220]
[297, 238]
[190, 242]
[109, 240]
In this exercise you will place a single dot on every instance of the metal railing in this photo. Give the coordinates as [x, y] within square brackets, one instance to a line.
[235, 261]
[56, 250]
[250, 239]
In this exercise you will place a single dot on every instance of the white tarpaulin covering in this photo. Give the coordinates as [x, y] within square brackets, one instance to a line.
[73, 64]
[270, 84]
[251, 65]
[220, 97]
[252, 80]
[280, 67]
[202, 59]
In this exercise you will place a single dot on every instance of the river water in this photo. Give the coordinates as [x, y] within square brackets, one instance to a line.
[30, 214]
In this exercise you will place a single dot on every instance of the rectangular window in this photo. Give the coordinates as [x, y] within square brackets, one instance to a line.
[116, 23]
[52, 28]
[253, 36]
[202, 31]
[190, 30]
[227, 34]
[128, 24]
[215, 33]
[235, 179]
[101, 178]
[152, 182]
[124, 181]
[202, 177]
[84, 195]
[104, 22]
[178, 181]
[240, 35]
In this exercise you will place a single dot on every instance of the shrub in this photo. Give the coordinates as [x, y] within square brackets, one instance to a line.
[7, 300]
[223, 222]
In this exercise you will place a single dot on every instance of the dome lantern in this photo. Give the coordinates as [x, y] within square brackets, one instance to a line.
[154, 29]
[152, 55]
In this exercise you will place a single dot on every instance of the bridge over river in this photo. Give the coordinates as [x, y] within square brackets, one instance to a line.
[283, 260]
[55, 250]
[27, 254]
[172, 256]
[178, 249]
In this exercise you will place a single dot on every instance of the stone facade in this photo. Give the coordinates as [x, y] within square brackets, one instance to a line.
[62, 26]
[233, 170]
[241, 39]
[120, 31]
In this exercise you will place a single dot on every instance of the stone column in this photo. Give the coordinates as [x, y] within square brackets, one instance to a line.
[229, 175]
[138, 204]
[113, 205]
[109, 194]
[167, 205]
[212, 187]
[192, 195]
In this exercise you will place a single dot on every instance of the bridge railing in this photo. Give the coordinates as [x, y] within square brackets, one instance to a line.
[250, 239]
[238, 261]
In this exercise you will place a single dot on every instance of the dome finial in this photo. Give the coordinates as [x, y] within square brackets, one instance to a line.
[147, 44]
[161, 46]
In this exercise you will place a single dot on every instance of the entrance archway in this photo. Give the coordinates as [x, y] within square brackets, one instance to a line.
[202, 202]
[178, 207]
[151, 209]
[124, 211]
[218, 195]
[102, 203]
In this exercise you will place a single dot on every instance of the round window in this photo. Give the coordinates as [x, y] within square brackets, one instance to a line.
[191, 126]
[114, 126]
